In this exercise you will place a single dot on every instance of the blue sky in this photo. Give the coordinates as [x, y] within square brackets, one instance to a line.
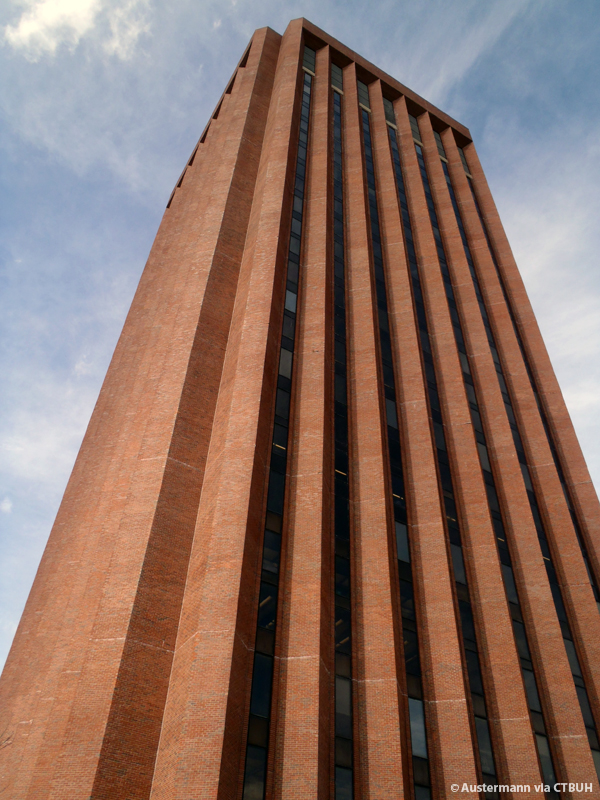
[102, 101]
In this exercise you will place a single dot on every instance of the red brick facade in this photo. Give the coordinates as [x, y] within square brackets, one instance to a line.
[131, 673]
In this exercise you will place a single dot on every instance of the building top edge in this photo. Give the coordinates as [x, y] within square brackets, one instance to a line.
[319, 33]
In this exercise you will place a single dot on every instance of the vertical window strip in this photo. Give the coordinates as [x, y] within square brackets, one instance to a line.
[363, 95]
[521, 640]
[557, 595]
[543, 417]
[463, 158]
[343, 579]
[439, 144]
[337, 78]
[416, 708]
[262, 673]
[465, 620]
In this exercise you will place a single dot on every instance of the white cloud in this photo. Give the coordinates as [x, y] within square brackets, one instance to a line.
[40, 438]
[464, 38]
[546, 190]
[431, 46]
[6, 505]
[83, 366]
[87, 109]
[47, 25]
[127, 23]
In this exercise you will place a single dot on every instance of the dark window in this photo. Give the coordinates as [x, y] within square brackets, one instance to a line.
[343, 784]
[572, 655]
[342, 630]
[414, 126]
[438, 429]
[340, 389]
[280, 436]
[310, 59]
[267, 606]
[588, 719]
[420, 772]
[492, 497]
[545, 759]
[258, 731]
[509, 584]
[417, 727]
[363, 94]
[390, 410]
[533, 697]
[343, 752]
[276, 492]
[337, 76]
[466, 618]
[411, 652]
[292, 273]
[271, 552]
[265, 643]
[342, 576]
[485, 746]
[291, 298]
[522, 646]
[407, 599]
[388, 107]
[285, 363]
[474, 670]
[343, 706]
[340, 351]
[526, 477]
[282, 404]
[402, 542]
[254, 779]
[261, 685]
[289, 325]
[458, 564]
[441, 151]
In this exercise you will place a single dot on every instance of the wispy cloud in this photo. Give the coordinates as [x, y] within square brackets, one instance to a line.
[6, 505]
[127, 23]
[47, 25]
[545, 183]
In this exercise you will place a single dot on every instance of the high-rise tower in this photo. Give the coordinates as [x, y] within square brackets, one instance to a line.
[330, 534]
